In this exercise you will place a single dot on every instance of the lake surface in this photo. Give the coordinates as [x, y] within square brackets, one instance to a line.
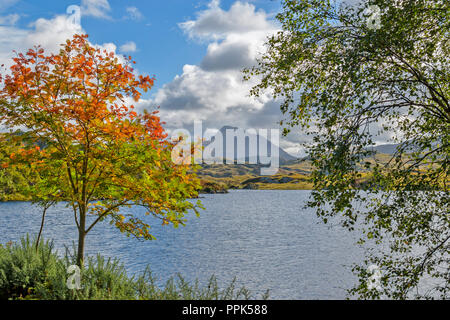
[263, 237]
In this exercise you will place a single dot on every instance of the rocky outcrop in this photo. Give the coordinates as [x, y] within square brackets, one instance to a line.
[268, 180]
[213, 187]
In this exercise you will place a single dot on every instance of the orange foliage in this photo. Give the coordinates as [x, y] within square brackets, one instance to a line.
[97, 146]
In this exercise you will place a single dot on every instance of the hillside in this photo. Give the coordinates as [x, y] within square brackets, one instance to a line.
[292, 175]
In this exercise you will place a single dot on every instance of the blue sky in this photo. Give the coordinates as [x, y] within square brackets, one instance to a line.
[162, 48]
[195, 49]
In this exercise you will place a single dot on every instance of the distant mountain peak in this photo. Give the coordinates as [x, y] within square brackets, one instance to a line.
[282, 154]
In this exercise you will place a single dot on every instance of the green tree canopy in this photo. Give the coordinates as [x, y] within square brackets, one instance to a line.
[352, 74]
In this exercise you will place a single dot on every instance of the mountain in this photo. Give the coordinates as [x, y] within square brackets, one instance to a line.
[393, 148]
[385, 148]
[283, 156]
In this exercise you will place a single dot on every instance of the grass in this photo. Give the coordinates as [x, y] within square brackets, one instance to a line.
[31, 273]
[240, 176]
[243, 176]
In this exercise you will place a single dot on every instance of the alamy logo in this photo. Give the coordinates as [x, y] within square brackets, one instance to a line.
[74, 280]
[374, 19]
[374, 281]
[228, 146]
[75, 14]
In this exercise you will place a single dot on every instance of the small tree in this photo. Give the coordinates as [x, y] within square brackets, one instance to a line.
[348, 74]
[97, 155]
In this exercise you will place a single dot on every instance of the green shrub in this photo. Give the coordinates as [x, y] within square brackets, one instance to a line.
[27, 273]
[23, 268]
[180, 289]
[101, 279]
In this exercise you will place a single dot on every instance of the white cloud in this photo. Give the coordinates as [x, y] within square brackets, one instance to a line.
[207, 94]
[130, 46]
[9, 20]
[10, 39]
[134, 13]
[214, 90]
[236, 51]
[51, 33]
[48, 33]
[95, 8]
[215, 23]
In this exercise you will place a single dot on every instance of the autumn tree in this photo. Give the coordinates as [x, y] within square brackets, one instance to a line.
[351, 73]
[98, 155]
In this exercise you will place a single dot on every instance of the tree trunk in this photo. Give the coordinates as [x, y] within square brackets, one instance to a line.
[42, 227]
[81, 238]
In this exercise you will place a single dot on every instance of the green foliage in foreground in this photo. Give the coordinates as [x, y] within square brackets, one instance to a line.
[30, 273]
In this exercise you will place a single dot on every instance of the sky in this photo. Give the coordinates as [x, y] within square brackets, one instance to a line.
[195, 50]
